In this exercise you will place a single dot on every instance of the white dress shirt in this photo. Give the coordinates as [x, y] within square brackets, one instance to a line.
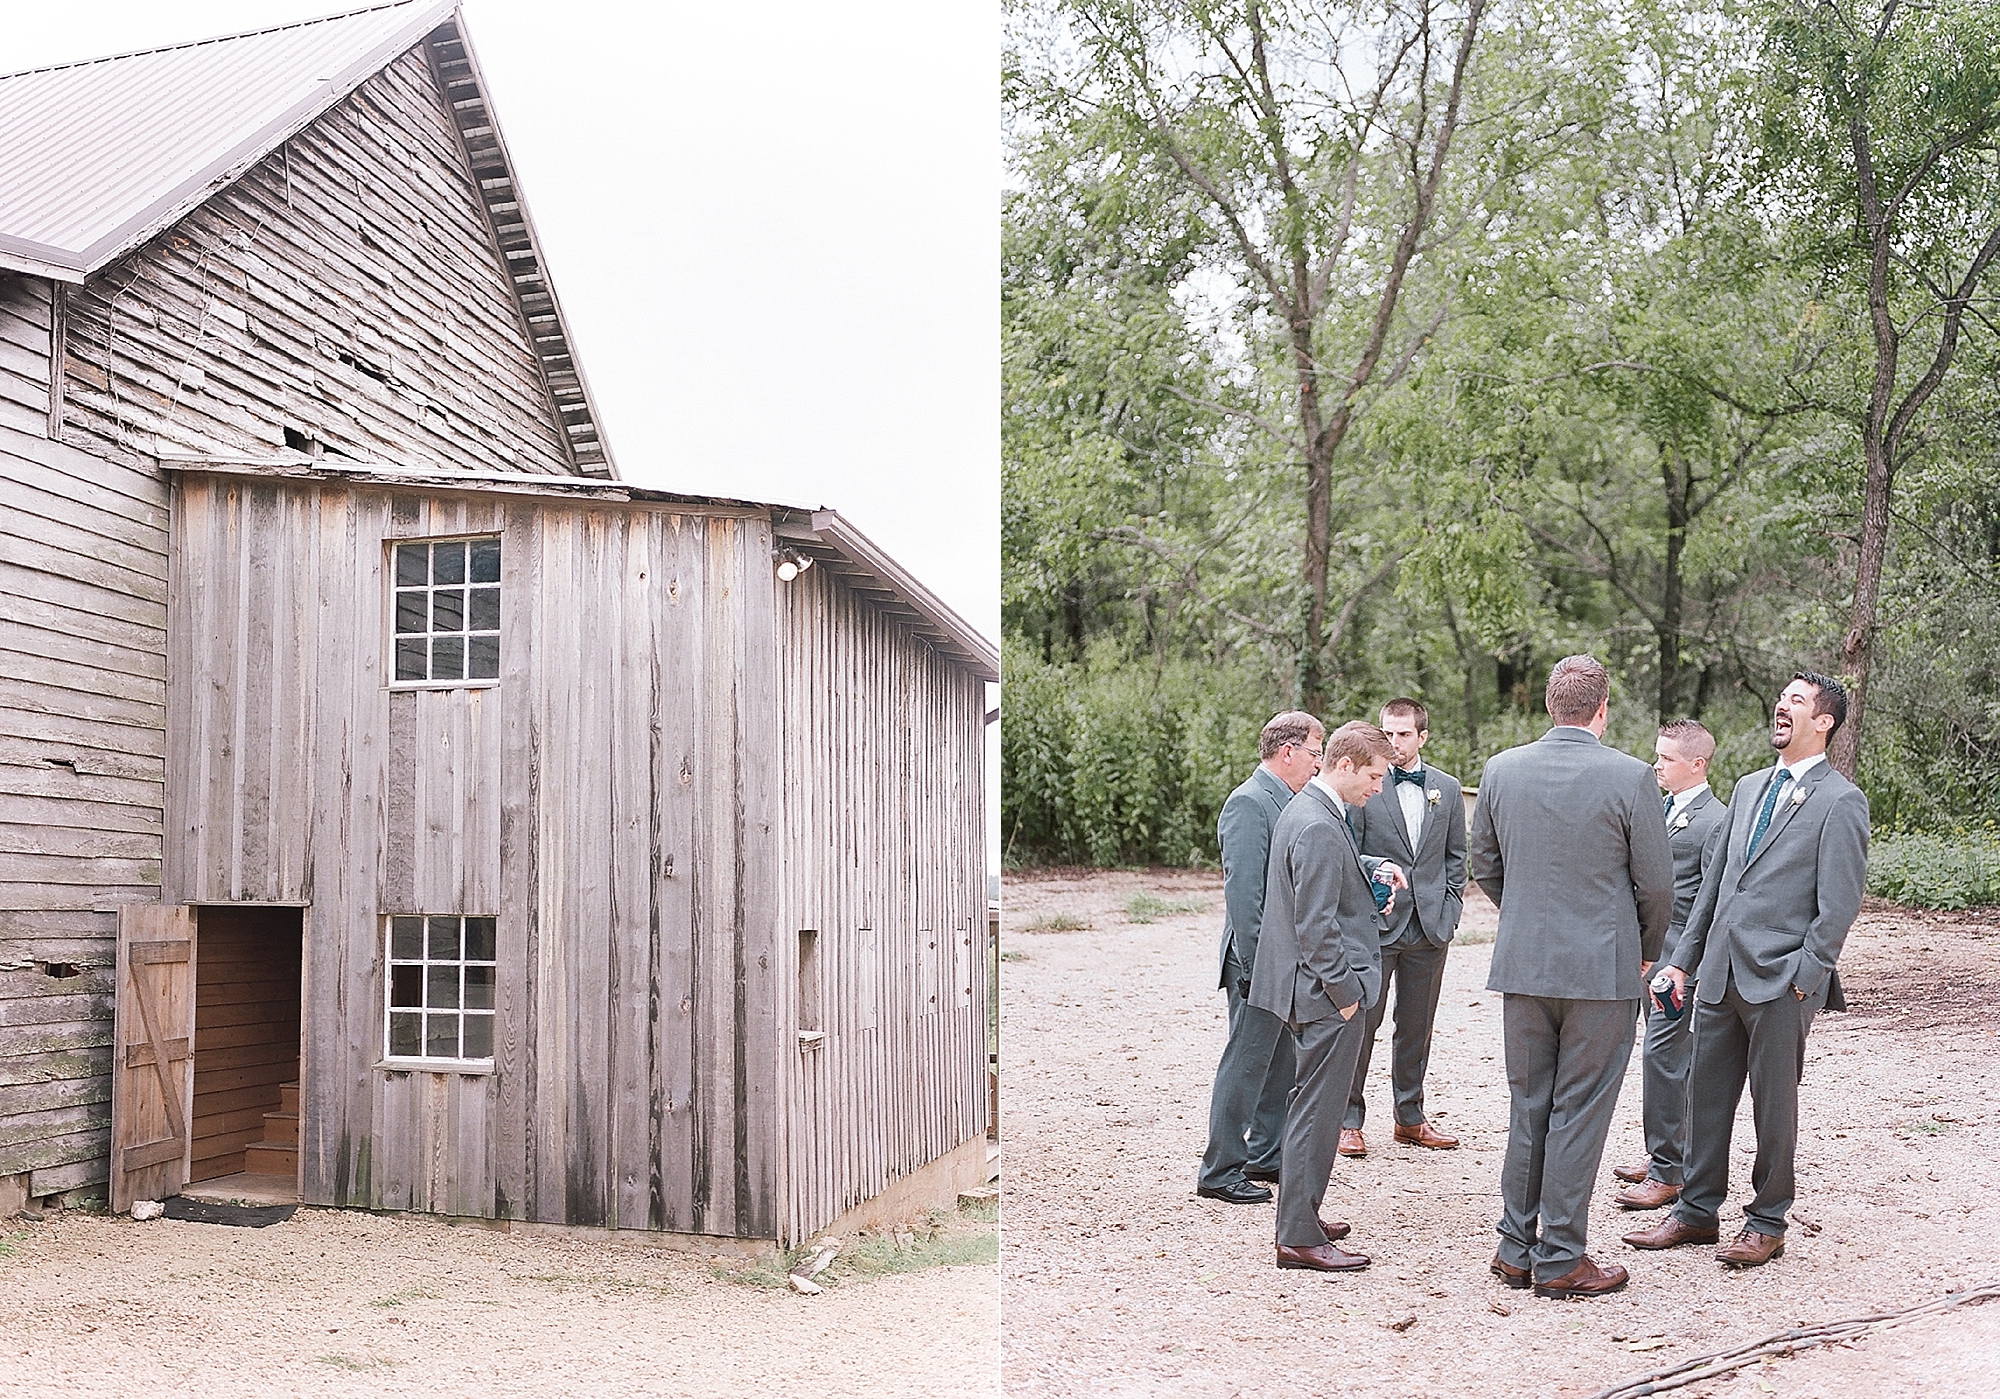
[1410, 796]
[1802, 766]
[1681, 800]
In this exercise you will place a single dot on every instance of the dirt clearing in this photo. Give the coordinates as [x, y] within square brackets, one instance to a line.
[1117, 1279]
[336, 1302]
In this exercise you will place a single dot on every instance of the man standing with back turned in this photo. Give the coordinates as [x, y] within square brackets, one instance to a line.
[1761, 946]
[1417, 820]
[1246, 1108]
[1568, 841]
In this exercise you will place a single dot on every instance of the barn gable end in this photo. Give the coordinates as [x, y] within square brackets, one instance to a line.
[346, 296]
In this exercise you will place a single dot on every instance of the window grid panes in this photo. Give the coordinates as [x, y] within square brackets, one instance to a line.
[440, 987]
[448, 610]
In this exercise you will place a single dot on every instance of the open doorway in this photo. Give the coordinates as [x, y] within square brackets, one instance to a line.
[245, 1120]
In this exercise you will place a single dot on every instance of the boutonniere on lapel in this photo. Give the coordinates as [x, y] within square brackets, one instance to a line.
[1433, 796]
[1798, 796]
[1682, 824]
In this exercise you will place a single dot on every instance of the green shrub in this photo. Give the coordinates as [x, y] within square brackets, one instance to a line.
[1936, 871]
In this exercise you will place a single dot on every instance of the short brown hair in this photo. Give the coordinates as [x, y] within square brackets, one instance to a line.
[1577, 686]
[1359, 743]
[1294, 726]
[1403, 707]
[1693, 737]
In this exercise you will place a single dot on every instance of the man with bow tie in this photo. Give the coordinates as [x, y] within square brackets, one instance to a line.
[1761, 946]
[1418, 821]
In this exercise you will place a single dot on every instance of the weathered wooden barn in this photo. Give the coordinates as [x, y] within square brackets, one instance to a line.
[392, 800]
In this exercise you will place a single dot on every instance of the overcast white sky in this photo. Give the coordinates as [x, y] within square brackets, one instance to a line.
[774, 229]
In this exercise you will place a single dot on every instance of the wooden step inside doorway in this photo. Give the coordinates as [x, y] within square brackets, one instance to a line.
[245, 1122]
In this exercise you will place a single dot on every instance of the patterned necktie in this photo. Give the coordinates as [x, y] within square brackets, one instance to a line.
[1398, 775]
[1667, 805]
[1764, 812]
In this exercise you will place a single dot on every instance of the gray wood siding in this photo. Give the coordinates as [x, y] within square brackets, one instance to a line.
[83, 566]
[24, 353]
[612, 800]
[347, 287]
[884, 838]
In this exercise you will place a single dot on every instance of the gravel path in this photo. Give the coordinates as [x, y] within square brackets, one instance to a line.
[342, 1303]
[1117, 1279]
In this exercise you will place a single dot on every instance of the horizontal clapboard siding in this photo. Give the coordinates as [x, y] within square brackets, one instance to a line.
[885, 860]
[83, 624]
[348, 287]
[612, 799]
[24, 353]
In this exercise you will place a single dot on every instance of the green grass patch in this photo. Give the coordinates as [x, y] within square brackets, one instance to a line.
[1058, 922]
[1013, 956]
[1145, 907]
[1928, 1128]
[1955, 871]
[349, 1362]
[409, 1295]
[760, 1273]
[1473, 937]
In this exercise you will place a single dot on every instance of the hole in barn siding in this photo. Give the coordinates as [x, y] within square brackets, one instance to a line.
[61, 971]
[69, 763]
[302, 442]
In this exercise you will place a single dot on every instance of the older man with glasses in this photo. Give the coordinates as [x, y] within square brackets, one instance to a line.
[1246, 1108]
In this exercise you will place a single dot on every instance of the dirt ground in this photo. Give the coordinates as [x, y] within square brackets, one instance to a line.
[1117, 1279]
[336, 1302]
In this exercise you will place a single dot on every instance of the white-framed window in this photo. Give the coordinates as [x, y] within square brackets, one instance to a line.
[439, 987]
[447, 610]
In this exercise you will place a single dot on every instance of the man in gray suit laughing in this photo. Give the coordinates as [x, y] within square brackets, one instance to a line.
[1761, 946]
[1568, 841]
[1319, 968]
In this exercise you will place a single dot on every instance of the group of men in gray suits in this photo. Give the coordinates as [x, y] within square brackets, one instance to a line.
[1309, 950]
[1597, 878]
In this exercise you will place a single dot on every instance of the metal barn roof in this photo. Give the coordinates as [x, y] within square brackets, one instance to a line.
[97, 157]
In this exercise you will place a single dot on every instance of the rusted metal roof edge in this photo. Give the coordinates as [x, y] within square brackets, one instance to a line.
[224, 171]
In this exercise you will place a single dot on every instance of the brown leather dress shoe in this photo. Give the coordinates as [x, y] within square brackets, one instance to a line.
[1670, 1232]
[1749, 1249]
[1508, 1273]
[1631, 1175]
[1586, 1279]
[1351, 1142]
[1335, 1229]
[1324, 1259]
[1423, 1134]
[1647, 1195]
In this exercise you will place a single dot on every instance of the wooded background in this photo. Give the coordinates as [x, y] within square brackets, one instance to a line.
[1405, 346]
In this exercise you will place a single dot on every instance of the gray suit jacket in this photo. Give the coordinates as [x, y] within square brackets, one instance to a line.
[1243, 833]
[1435, 863]
[1568, 840]
[1779, 920]
[1694, 837]
[1321, 946]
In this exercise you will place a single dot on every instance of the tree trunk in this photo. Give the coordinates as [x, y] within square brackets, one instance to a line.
[1674, 476]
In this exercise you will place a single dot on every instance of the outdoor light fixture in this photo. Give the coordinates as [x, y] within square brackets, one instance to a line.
[791, 563]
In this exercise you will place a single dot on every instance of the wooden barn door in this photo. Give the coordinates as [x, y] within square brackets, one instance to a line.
[152, 1053]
